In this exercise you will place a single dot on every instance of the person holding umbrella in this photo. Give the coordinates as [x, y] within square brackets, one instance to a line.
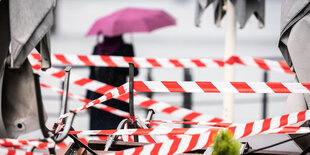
[112, 76]
[112, 27]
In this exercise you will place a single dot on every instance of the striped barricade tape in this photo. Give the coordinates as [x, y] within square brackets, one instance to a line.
[110, 94]
[199, 141]
[175, 146]
[288, 130]
[220, 87]
[256, 127]
[7, 151]
[181, 131]
[264, 64]
[239, 130]
[120, 61]
[64, 144]
[111, 110]
[285, 129]
[152, 131]
[213, 124]
[18, 143]
[171, 110]
[148, 139]
[140, 100]
[108, 109]
[85, 100]
[184, 144]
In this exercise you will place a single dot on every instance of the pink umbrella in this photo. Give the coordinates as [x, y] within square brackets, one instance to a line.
[130, 20]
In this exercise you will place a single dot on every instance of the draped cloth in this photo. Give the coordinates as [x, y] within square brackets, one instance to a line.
[25, 25]
[243, 8]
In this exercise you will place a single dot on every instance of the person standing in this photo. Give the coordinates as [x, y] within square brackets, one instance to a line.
[114, 76]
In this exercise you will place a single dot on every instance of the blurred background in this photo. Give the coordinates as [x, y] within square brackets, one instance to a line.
[75, 17]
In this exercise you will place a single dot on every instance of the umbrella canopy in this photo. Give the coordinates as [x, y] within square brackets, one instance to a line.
[244, 10]
[131, 20]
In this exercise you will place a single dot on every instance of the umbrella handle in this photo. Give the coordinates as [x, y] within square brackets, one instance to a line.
[99, 34]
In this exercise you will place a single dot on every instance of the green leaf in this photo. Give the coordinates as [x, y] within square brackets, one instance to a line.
[225, 144]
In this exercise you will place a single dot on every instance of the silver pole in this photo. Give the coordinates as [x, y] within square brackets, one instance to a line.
[229, 71]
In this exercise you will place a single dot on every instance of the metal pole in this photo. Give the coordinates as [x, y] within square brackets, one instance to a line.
[131, 76]
[64, 100]
[265, 97]
[149, 78]
[40, 107]
[131, 105]
[229, 72]
[187, 97]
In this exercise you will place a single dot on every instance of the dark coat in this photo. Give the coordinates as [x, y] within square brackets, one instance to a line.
[113, 76]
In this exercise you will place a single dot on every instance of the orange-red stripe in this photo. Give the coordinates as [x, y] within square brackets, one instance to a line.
[85, 60]
[153, 62]
[242, 87]
[173, 86]
[207, 87]
[278, 87]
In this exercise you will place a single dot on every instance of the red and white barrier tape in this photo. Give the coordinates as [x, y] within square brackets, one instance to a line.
[288, 130]
[148, 139]
[190, 143]
[182, 131]
[119, 61]
[171, 110]
[110, 94]
[194, 142]
[271, 125]
[7, 151]
[140, 100]
[190, 123]
[108, 109]
[256, 127]
[152, 131]
[264, 64]
[239, 130]
[174, 146]
[64, 144]
[85, 100]
[220, 87]
[285, 129]
[18, 143]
